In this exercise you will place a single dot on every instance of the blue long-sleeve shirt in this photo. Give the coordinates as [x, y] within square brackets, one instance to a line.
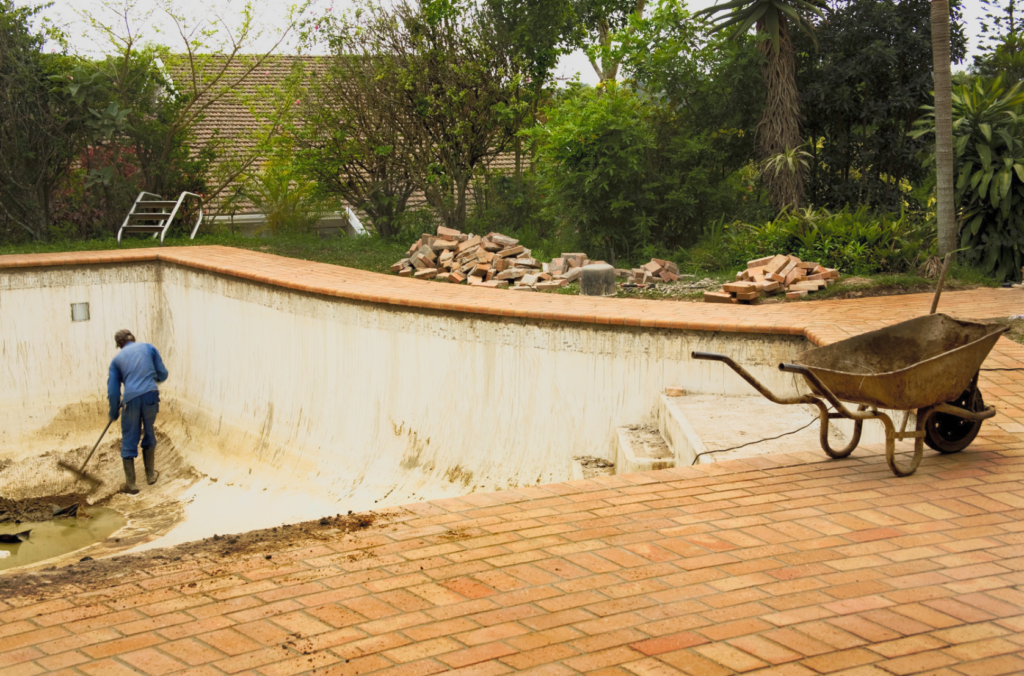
[139, 367]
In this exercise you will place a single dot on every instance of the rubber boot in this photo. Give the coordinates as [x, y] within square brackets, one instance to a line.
[129, 476]
[149, 461]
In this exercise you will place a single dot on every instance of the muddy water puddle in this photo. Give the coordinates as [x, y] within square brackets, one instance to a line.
[57, 536]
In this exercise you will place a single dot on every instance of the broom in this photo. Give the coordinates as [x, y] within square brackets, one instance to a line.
[80, 471]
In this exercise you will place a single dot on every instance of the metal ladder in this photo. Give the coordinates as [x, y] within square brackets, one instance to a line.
[152, 215]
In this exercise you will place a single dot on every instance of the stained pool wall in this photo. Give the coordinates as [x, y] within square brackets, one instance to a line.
[356, 403]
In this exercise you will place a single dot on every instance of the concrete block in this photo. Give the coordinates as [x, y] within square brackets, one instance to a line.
[598, 280]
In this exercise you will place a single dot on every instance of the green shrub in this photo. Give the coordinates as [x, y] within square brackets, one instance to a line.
[516, 208]
[289, 203]
[620, 172]
[858, 241]
[988, 145]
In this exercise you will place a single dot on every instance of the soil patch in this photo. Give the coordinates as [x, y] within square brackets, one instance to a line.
[91, 574]
[647, 442]
[36, 509]
[692, 291]
[593, 466]
[1016, 324]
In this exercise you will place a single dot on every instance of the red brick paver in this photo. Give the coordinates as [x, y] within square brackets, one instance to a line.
[771, 565]
[645, 592]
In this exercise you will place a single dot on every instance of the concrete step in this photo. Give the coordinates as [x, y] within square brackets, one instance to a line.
[641, 448]
[678, 432]
[698, 426]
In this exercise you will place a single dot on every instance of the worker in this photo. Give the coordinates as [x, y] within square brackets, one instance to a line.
[139, 367]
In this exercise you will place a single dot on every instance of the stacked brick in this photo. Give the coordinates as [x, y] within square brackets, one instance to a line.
[652, 273]
[773, 275]
[493, 261]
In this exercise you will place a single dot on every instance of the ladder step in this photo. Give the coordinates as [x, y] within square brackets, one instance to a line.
[163, 204]
[143, 228]
[138, 218]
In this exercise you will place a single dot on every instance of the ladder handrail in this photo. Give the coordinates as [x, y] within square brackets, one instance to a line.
[130, 212]
[174, 211]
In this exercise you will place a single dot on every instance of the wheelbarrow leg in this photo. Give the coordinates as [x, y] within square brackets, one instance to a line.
[826, 446]
[892, 436]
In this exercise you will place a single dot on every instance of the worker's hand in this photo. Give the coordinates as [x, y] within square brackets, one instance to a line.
[114, 415]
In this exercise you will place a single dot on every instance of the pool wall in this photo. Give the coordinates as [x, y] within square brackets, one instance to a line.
[353, 401]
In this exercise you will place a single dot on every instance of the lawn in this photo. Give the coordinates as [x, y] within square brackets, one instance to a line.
[364, 253]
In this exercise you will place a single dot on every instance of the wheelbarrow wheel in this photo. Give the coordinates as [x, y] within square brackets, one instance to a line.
[947, 433]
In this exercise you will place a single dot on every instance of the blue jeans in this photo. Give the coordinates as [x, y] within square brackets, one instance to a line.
[137, 420]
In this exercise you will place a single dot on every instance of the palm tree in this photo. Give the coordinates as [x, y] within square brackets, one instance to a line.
[945, 209]
[778, 130]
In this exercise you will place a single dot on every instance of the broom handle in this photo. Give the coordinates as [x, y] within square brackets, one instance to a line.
[942, 279]
[89, 457]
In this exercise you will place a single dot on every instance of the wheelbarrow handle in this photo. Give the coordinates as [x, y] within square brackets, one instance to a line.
[826, 393]
[710, 356]
[754, 382]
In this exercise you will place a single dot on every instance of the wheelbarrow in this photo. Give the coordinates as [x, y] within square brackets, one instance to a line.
[929, 365]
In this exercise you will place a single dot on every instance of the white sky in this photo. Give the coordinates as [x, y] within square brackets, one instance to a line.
[272, 15]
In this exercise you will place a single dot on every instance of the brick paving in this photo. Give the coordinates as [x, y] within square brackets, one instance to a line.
[786, 564]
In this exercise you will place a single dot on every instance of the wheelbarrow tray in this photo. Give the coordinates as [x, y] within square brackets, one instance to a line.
[917, 363]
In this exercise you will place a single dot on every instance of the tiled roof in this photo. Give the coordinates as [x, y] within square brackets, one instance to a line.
[256, 96]
[245, 113]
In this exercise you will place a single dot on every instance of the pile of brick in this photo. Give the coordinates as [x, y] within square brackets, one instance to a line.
[652, 273]
[493, 261]
[772, 275]
[560, 272]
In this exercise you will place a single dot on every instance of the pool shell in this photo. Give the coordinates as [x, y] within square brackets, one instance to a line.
[284, 404]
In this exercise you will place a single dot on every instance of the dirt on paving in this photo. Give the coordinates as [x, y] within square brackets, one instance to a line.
[1016, 324]
[692, 290]
[91, 574]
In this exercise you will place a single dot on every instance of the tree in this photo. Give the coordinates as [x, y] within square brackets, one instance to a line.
[596, 150]
[600, 21]
[540, 31]
[167, 94]
[348, 142]
[713, 82]
[988, 143]
[860, 93]
[945, 206]
[459, 91]
[42, 130]
[1001, 45]
[779, 128]
[638, 167]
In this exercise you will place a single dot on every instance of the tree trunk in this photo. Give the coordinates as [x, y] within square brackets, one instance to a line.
[778, 130]
[945, 209]
[461, 186]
